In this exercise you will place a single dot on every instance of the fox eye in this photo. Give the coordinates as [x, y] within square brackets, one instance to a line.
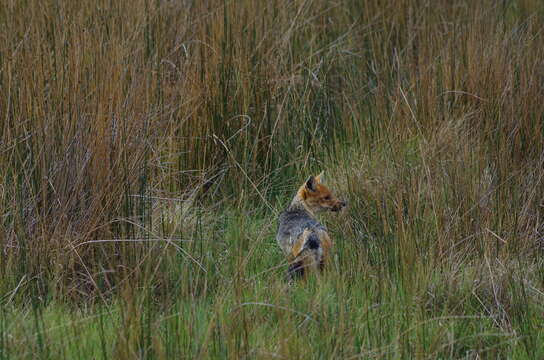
[327, 197]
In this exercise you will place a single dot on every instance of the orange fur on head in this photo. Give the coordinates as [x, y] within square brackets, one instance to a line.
[317, 197]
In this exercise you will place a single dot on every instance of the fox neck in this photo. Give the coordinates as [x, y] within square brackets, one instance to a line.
[298, 203]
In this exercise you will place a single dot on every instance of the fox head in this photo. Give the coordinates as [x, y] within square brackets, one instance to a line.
[317, 197]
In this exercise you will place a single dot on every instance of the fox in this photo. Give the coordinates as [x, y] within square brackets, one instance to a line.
[302, 238]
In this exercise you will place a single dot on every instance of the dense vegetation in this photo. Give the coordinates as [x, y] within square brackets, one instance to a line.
[147, 147]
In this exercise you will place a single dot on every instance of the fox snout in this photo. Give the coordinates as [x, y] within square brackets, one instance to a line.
[339, 206]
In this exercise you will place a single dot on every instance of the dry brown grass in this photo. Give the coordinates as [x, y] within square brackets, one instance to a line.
[132, 131]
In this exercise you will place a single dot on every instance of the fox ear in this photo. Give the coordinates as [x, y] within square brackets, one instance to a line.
[319, 178]
[311, 183]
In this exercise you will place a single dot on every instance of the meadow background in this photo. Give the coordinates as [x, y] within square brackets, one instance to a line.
[147, 147]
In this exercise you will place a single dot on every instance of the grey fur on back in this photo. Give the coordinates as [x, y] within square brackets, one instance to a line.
[292, 223]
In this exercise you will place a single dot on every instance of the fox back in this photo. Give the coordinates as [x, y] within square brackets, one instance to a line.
[304, 241]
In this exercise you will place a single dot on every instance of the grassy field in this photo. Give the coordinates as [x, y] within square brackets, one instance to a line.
[148, 146]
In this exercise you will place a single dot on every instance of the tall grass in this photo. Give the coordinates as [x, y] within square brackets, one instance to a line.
[147, 147]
